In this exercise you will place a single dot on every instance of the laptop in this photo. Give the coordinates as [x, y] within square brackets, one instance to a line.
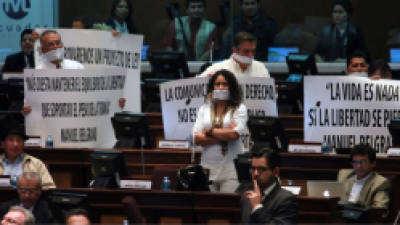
[278, 54]
[325, 189]
[394, 55]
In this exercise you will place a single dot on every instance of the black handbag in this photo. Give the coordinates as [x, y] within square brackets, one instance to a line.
[192, 178]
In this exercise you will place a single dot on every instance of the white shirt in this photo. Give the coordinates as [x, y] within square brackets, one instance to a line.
[356, 189]
[255, 69]
[65, 64]
[212, 157]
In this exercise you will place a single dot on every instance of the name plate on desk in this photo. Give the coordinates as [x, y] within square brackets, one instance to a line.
[5, 181]
[294, 189]
[33, 142]
[393, 152]
[304, 148]
[136, 184]
[174, 144]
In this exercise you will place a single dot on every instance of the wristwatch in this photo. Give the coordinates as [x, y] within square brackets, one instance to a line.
[209, 132]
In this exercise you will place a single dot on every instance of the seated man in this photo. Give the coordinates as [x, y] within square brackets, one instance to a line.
[17, 215]
[14, 161]
[267, 203]
[24, 59]
[357, 64]
[77, 217]
[29, 190]
[362, 184]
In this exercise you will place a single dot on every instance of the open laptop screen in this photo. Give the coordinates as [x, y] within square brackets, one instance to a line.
[278, 54]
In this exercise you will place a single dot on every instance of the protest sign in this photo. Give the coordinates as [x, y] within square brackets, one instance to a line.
[181, 99]
[74, 106]
[96, 48]
[346, 110]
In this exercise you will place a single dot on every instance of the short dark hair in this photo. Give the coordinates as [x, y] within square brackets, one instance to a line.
[346, 4]
[235, 92]
[47, 32]
[382, 65]
[272, 156]
[363, 149]
[77, 212]
[190, 1]
[241, 37]
[241, 1]
[25, 31]
[85, 20]
[356, 54]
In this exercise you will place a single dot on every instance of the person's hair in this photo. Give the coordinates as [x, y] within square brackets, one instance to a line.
[241, 37]
[346, 4]
[46, 32]
[382, 65]
[356, 54]
[29, 218]
[235, 92]
[30, 176]
[130, 8]
[196, 1]
[25, 31]
[272, 156]
[77, 212]
[241, 1]
[85, 20]
[363, 149]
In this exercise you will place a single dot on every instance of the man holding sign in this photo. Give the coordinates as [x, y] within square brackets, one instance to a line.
[267, 203]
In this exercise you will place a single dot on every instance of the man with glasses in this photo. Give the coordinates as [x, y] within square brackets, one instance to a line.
[267, 202]
[363, 185]
[24, 59]
[29, 190]
[52, 50]
[18, 215]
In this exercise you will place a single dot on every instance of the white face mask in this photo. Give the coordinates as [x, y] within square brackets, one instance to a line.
[220, 94]
[359, 74]
[243, 59]
[54, 55]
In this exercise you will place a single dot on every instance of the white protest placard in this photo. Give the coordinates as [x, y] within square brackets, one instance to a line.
[345, 110]
[181, 99]
[96, 48]
[74, 106]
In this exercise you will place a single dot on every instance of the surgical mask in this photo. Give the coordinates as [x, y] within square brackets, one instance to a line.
[55, 54]
[220, 94]
[243, 59]
[359, 74]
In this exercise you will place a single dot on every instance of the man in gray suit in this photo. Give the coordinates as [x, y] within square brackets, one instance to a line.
[267, 202]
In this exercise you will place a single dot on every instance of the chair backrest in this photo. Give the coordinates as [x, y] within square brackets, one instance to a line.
[160, 172]
[132, 210]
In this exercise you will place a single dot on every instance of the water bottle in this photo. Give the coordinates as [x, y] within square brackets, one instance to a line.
[325, 147]
[13, 181]
[166, 184]
[49, 141]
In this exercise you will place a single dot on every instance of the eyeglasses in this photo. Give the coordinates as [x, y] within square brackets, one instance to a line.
[28, 190]
[259, 169]
[361, 162]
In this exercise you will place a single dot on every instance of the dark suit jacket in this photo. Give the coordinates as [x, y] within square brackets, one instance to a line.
[41, 211]
[279, 207]
[16, 62]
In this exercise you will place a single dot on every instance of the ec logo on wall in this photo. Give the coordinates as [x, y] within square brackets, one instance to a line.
[16, 9]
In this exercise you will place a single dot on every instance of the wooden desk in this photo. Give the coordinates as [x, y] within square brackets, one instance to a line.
[186, 207]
